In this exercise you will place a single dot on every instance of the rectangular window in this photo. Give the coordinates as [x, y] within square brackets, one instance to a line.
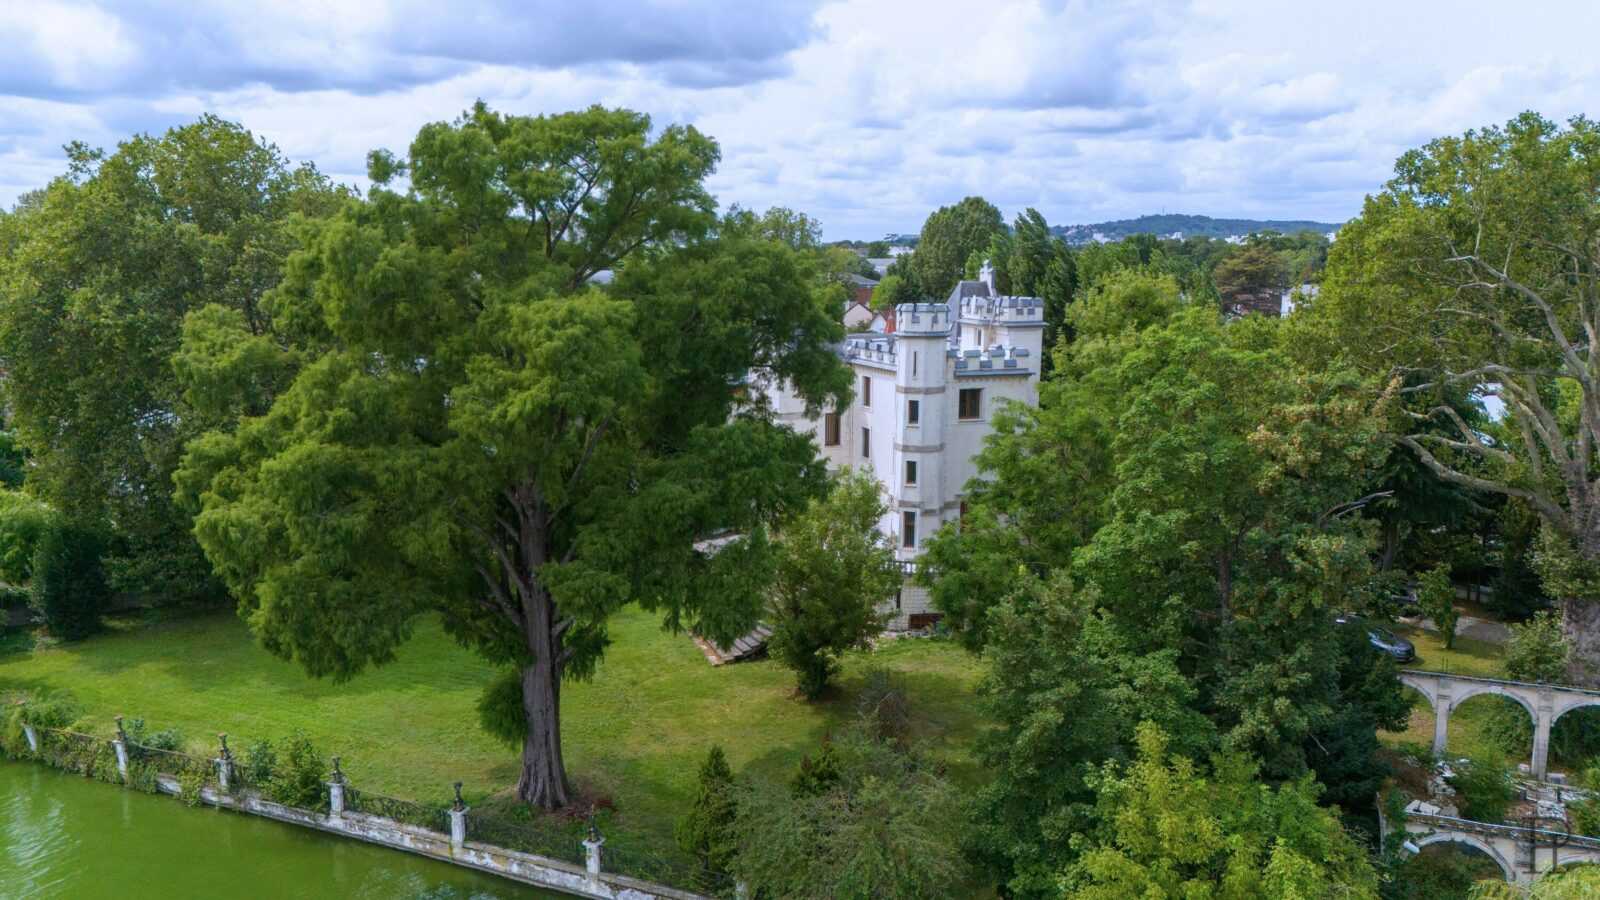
[911, 471]
[866, 443]
[908, 528]
[913, 412]
[970, 403]
[866, 390]
[830, 430]
[913, 363]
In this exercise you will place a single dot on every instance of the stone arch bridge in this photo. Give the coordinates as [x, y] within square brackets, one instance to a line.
[1545, 704]
[1522, 853]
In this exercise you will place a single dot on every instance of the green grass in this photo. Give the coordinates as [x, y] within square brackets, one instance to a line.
[636, 733]
[1469, 735]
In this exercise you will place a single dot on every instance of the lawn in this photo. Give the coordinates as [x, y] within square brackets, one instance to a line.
[635, 733]
[1468, 734]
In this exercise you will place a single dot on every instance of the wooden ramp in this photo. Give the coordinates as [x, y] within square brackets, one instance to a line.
[752, 644]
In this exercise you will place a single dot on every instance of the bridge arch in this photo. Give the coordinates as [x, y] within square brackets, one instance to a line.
[1478, 690]
[1473, 841]
[1570, 705]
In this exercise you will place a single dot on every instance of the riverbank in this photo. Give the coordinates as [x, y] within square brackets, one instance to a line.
[634, 735]
[69, 837]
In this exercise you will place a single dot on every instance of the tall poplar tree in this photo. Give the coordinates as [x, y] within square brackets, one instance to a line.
[479, 430]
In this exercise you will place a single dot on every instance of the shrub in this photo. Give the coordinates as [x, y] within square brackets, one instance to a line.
[190, 783]
[814, 777]
[49, 712]
[707, 830]
[1436, 594]
[500, 710]
[300, 775]
[260, 763]
[1485, 788]
[142, 741]
[68, 582]
[1538, 649]
[888, 825]
[883, 705]
[1585, 814]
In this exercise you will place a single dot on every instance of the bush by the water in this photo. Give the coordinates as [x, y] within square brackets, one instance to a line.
[300, 775]
[143, 741]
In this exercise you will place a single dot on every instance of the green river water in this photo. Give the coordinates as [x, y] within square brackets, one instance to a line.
[67, 836]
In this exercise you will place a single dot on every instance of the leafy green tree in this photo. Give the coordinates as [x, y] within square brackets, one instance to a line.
[1171, 831]
[1458, 274]
[1253, 268]
[24, 521]
[1053, 465]
[891, 291]
[1036, 263]
[707, 830]
[878, 249]
[887, 826]
[834, 570]
[68, 581]
[1199, 481]
[1224, 536]
[103, 267]
[1575, 883]
[476, 431]
[949, 237]
[1342, 748]
[1538, 650]
[1436, 595]
[1066, 688]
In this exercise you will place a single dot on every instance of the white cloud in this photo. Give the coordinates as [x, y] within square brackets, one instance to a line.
[865, 113]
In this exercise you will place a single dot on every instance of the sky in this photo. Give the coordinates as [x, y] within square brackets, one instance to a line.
[866, 115]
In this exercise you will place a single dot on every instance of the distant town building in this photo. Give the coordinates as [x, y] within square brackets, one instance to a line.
[881, 263]
[860, 287]
[925, 394]
[858, 316]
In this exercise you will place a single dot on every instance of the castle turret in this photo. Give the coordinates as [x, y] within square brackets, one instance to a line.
[922, 332]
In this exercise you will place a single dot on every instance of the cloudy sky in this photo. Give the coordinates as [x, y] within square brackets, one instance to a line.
[865, 114]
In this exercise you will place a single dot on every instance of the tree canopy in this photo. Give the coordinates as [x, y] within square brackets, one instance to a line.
[480, 431]
[100, 270]
[1469, 273]
[949, 236]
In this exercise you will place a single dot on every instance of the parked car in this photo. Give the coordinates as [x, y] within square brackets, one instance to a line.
[1382, 639]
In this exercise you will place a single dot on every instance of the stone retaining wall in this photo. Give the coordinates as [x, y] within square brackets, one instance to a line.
[526, 868]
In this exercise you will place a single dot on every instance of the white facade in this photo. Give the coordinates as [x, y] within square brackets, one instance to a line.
[924, 398]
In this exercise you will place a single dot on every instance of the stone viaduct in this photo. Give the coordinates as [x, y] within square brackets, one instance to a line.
[1522, 853]
[1545, 704]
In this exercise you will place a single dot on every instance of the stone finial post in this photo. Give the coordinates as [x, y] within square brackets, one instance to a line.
[119, 744]
[336, 791]
[591, 851]
[458, 823]
[224, 763]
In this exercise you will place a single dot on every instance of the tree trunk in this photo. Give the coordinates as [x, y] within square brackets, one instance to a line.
[1580, 621]
[543, 781]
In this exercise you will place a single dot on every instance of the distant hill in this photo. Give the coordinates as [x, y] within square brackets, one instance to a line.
[1187, 226]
